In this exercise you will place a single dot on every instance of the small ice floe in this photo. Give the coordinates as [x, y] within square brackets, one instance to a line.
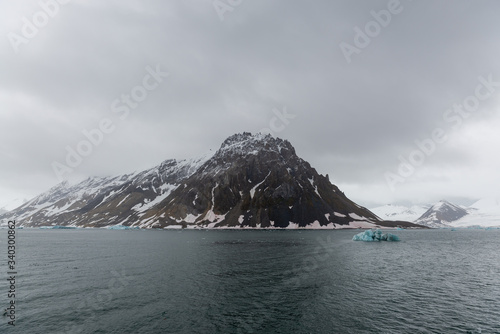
[375, 235]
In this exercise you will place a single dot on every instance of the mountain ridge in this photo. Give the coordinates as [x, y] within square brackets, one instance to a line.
[442, 214]
[482, 213]
[251, 181]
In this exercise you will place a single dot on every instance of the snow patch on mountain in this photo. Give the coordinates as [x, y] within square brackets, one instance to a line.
[252, 191]
[166, 190]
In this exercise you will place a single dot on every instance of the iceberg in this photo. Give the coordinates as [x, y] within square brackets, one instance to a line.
[371, 235]
[121, 227]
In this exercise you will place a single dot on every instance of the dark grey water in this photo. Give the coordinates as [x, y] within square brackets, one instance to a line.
[99, 281]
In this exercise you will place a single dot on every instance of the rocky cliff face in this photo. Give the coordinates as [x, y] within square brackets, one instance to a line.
[251, 181]
[258, 181]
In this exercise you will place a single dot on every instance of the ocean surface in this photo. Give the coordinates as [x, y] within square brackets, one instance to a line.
[228, 281]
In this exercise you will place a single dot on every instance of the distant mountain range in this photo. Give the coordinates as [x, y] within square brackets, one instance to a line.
[442, 213]
[252, 181]
[399, 212]
[483, 213]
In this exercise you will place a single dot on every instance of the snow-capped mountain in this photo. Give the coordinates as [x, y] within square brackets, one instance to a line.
[399, 212]
[251, 181]
[484, 213]
[442, 214]
[100, 201]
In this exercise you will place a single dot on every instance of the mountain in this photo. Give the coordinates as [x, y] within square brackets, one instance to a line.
[102, 201]
[251, 181]
[399, 212]
[483, 213]
[441, 214]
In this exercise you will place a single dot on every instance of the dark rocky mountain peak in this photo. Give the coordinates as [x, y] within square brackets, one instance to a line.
[441, 214]
[251, 181]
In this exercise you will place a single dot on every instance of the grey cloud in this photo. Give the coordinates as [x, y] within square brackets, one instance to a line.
[352, 120]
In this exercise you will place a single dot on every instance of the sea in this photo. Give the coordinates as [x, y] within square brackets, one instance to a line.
[252, 281]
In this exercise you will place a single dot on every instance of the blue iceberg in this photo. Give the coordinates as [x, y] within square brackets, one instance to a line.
[121, 227]
[371, 235]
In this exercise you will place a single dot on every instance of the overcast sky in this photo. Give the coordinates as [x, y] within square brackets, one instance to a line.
[356, 83]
